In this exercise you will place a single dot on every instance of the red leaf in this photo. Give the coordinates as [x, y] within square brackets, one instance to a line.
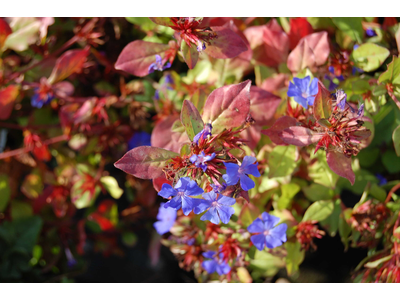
[103, 222]
[190, 54]
[5, 31]
[228, 44]
[228, 106]
[341, 165]
[275, 83]
[269, 42]
[158, 182]
[263, 105]
[300, 136]
[7, 98]
[70, 62]
[322, 103]
[63, 89]
[312, 51]
[280, 124]
[137, 57]
[145, 162]
[163, 137]
[252, 136]
[299, 27]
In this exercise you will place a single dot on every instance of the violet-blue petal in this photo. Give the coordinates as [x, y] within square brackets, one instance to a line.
[302, 101]
[175, 203]
[225, 200]
[211, 215]
[209, 254]
[209, 265]
[252, 170]
[293, 90]
[167, 191]
[258, 240]
[193, 189]
[270, 220]
[201, 206]
[256, 227]
[246, 183]
[247, 161]
[188, 204]
[225, 213]
[223, 268]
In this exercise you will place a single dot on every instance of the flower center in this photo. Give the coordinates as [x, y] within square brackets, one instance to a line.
[181, 194]
[266, 232]
[304, 95]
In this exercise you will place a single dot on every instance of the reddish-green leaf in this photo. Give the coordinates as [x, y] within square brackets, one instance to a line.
[137, 57]
[227, 44]
[7, 98]
[190, 54]
[280, 124]
[162, 21]
[300, 136]
[396, 140]
[392, 74]
[70, 62]
[145, 162]
[263, 105]
[341, 165]
[322, 103]
[198, 99]
[228, 106]
[5, 31]
[191, 119]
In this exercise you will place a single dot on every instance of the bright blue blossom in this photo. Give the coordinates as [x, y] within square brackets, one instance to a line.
[166, 218]
[203, 134]
[181, 194]
[158, 65]
[267, 234]
[370, 32]
[215, 264]
[302, 91]
[201, 159]
[39, 98]
[140, 138]
[219, 208]
[219, 188]
[235, 172]
[382, 180]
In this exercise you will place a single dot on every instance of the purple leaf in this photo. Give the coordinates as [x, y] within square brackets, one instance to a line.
[191, 119]
[228, 106]
[263, 105]
[137, 57]
[280, 124]
[322, 103]
[228, 44]
[341, 165]
[145, 162]
[300, 136]
[190, 54]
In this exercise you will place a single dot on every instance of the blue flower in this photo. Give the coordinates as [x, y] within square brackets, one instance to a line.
[71, 261]
[219, 188]
[215, 264]
[140, 138]
[201, 159]
[201, 46]
[267, 234]
[360, 111]
[341, 98]
[302, 91]
[235, 172]
[370, 32]
[219, 208]
[39, 98]
[158, 65]
[166, 218]
[181, 194]
[203, 134]
[382, 180]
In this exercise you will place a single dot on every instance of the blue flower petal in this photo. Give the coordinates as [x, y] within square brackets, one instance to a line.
[193, 189]
[269, 220]
[188, 204]
[293, 90]
[210, 266]
[225, 200]
[201, 206]
[246, 183]
[167, 191]
[225, 213]
[211, 215]
[272, 241]
[175, 203]
[252, 170]
[223, 268]
[279, 232]
[258, 240]
[256, 227]
[247, 161]
[209, 254]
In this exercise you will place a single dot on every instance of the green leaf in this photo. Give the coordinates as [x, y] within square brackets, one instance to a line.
[145, 23]
[322, 103]
[391, 161]
[369, 56]
[344, 227]
[396, 140]
[376, 263]
[392, 74]
[20, 210]
[248, 214]
[316, 192]
[32, 186]
[377, 192]
[191, 119]
[319, 210]
[243, 275]
[331, 223]
[190, 54]
[199, 99]
[351, 27]
[111, 185]
[129, 238]
[295, 256]
[288, 192]
[4, 192]
[282, 161]
[320, 172]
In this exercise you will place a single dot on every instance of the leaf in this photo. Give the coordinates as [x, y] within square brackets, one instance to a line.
[228, 106]
[319, 210]
[316, 192]
[32, 186]
[248, 214]
[228, 44]
[243, 275]
[288, 192]
[392, 74]
[369, 56]
[162, 21]
[376, 263]
[331, 223]
[320, 172]
[190, 54]
[7, 99]
[137, 57]
[396, 140]
[68, 63]
[295, 256]
[312, 51]
[111, 185]
[20, 210]
[145, 162]
[25, 32]
[263, 105]
[351, 27]
[191, 119]
[299, 28]
[300, 136]
[341, 165]
[391, 162]
[5, 31]
[282, 161]
[322, 103]
[279, 125]
[199, 98]
[5, 192]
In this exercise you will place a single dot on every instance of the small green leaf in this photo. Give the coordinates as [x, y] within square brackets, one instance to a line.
[377, 192]
[319, 210]
[392, 74]
[282, 161]
[111, 185]
[369, 56]
[316, 192]
[4, 192]
[391, 161]
[295, 256]
[396, 140]
[331, 223]
[20, 210]
[129, 239]
[351, 27]
[376, 263]
[288, 192]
